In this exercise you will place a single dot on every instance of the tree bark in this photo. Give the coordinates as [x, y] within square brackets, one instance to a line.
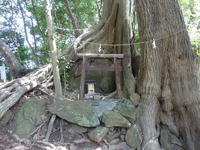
[113, 33]
[54, 59]
[21, 86]
[12, 62]
[168, 79]
[77, 33]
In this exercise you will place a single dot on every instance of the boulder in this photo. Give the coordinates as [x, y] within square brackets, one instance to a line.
[114, 119]
[135, 98]
[126, 109]
[133, 138]
[78, 112]
[6, 118]
[98, 134]
[29, 116]
[108, 84]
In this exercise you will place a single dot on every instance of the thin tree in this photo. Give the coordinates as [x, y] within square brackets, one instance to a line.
[39, 27]
[26, 34]
[54, 59]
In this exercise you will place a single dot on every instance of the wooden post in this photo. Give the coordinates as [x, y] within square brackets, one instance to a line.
[117, 78]
[81, 91]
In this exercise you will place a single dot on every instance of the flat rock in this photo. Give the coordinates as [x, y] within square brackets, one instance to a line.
[103, 105]
[133, 138]
[114, 119]
[98, 134]
[78, 112]
[127, 109]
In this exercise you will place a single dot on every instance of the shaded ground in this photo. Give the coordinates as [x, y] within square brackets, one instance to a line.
[72, 139]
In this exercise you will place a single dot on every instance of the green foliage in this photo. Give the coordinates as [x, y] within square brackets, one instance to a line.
[65, 65]
[191, 14]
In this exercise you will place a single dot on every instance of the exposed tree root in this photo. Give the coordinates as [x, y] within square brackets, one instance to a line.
[77, 131]
[107, 144]
[46, 143]
[111, 31]
[61, 132]
[152, 139]
[110, 95]
[12, 91]
[50, 126]
[38, 128]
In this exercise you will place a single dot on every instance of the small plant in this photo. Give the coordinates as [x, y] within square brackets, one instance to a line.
[65, 65]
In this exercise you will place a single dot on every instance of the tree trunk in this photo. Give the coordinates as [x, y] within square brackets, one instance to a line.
[39, 27]
[54, 59]
[168, 78]
[26, 34]
[113, 34]
[12, 62]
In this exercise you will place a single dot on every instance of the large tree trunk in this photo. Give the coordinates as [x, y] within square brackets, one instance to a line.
[12, 62]
[168, 78]
[113, 34]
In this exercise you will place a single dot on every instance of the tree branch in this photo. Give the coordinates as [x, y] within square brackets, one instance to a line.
[77, 33]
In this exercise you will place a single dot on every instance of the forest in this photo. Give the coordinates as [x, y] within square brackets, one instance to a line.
[142, 55]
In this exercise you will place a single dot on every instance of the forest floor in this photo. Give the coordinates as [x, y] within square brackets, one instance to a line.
[72, 140]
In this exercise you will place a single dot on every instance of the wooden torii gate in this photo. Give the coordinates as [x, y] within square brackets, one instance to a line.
[114, 68]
